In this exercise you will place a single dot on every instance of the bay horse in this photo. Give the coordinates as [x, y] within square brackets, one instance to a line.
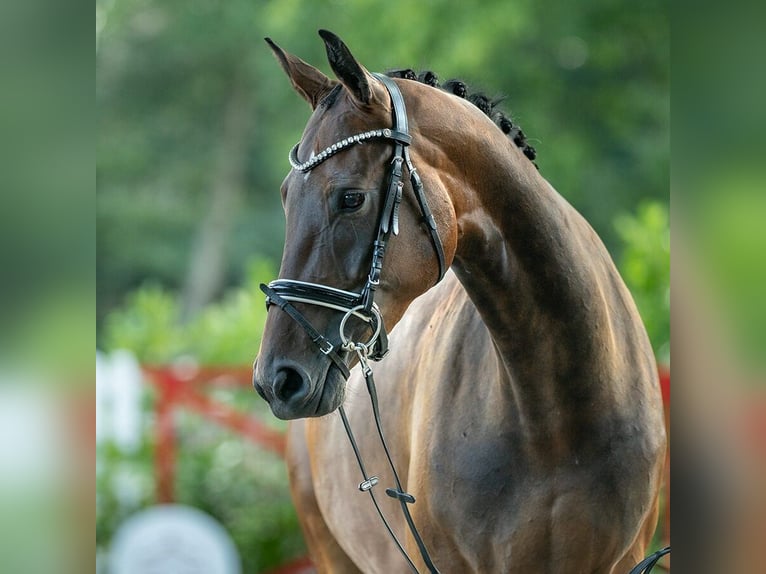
[519, 399]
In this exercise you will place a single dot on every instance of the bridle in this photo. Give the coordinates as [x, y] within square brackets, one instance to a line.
[362, 304]
[284, 292]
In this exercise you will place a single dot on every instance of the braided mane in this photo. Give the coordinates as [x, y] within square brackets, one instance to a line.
[478, 99]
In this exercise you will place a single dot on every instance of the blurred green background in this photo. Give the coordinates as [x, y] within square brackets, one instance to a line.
[195, 119]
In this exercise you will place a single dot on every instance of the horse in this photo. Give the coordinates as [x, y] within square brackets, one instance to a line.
[519, 398]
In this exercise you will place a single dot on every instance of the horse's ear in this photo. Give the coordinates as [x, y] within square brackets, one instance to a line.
[359, 82]
[309, 82]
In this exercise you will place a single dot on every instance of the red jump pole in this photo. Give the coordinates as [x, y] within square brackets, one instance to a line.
[164, 457]
[665, 387]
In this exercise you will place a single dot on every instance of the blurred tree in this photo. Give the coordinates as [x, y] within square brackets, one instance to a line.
[208, 257]
[196, 117]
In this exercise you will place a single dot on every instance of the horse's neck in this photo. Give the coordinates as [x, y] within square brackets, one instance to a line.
[529, 261]
[559, 315]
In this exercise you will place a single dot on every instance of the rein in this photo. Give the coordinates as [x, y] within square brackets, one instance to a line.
[647, 564]
[285, 292]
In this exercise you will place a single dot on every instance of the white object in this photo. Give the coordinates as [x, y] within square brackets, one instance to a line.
[173, 539]
[118, 399]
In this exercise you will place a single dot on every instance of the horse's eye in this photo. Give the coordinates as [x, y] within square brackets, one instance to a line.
[352, 200]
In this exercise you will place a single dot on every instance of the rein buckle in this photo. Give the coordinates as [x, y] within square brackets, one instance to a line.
[325, 346]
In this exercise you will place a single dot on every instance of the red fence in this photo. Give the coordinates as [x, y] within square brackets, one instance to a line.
[179, 389]
[185, 388]
[665, 387]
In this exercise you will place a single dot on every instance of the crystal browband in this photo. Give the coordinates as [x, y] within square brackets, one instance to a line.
[330, 151]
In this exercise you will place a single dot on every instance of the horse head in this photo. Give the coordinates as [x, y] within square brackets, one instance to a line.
[345, 277]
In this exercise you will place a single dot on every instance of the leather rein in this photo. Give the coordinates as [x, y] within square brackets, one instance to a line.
[284, 292]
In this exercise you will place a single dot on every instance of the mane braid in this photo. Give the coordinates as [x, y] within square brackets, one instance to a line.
[478, 99]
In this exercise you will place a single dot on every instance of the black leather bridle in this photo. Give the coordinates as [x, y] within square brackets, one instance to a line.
[362, 304]
[285, 292]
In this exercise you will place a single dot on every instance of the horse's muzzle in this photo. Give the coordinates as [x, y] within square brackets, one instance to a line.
[292, 395]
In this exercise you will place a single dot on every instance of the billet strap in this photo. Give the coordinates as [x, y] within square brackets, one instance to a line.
[428, 218]
[400, 121]
[317, 338]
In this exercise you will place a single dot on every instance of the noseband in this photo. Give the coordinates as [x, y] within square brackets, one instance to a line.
[285, 292]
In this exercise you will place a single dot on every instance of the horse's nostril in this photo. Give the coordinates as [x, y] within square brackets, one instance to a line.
[289, 384]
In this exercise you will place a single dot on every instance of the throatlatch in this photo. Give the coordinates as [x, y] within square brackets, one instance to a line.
[285, 292]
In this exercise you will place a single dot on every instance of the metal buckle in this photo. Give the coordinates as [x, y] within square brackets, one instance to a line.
[325, 346]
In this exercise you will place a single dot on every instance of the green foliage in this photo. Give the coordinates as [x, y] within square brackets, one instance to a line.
[645, 267]
[225, 333]
[124, 483]
[230, 332]
[146, 325]
[217, 471]
[245, 488]
[732, 236]
[588, 82]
